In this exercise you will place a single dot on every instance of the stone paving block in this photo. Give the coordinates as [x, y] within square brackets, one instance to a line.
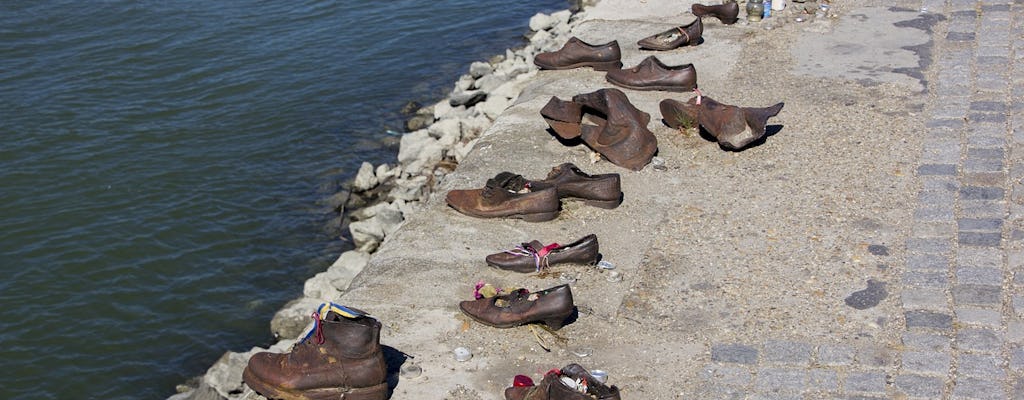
[976, 294]
[928, 279]
[822, 380]
[734, 353]
[983, 165]
[981, 152]
[935, 152]
[1018, 304]
[980, 224]
[925, 298]
[982, 389]
[984, 178]
[943, 229]
[994, 83]
[983, 209]
[869, 382]
[928, 319]
[989, 9]
[953, 125]
[925, 262]
[934, 213]
[978, 316]
[785, 351]
[781, 380]
[937, 169]
[980, 366]
[927, 362]
[1014, 258]
[876, 356]
[980, 239]
[928, 245]
[1016, 358]
[945, 198]
[941, 183]
[970, 193]
[917, 386]
[986, 141]
[1014, 331]
[776, 396]
[987, 130]
[979, 276]
[727, 375]
[836, 354]
[991, 51]
[980, 257]
[926, 341]
[991, 106]
[979, 340]
[960, 36]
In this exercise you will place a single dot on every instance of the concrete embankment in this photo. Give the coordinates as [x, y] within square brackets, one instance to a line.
[859, 251]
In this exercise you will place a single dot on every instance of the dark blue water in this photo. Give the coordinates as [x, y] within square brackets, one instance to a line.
[162, 166]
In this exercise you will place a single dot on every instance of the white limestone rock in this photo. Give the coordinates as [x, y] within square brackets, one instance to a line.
[479, 69]
[540, 21]
[365, 178]
[366, 234]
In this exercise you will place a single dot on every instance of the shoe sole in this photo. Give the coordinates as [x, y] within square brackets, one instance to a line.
[662, 88]
[597, 66]
[555, 323]
[377, 392]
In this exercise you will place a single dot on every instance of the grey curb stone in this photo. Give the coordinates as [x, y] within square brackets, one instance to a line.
[928, 319]
[783, 351]
[919, 386]
[734, 353]
[928, 363]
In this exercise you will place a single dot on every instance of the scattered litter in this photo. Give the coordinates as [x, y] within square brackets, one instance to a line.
[410, 370]
[462, 354]
[581, 351]
[605, 265]
[599, 375]
[614, 276]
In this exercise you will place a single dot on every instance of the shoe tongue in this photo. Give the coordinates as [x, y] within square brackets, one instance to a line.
[508, 181]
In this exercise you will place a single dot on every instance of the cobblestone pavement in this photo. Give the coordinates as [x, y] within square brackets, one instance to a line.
[962, 283]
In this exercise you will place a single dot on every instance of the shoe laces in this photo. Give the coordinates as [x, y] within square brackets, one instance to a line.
[540, 257]
[318, 329]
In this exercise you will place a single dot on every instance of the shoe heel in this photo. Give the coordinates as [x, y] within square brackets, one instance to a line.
[729, 21]
[556, 323]
[539, 217]
[605, 66]
[605, 204]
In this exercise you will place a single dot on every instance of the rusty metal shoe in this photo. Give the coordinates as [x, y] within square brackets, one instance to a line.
[686, 35]
[733, 127]
[556, 386]
[341, 358]
[496, 200]
[652, 74]
[576, 53]
[726, 12]
[621, 133]
[564, 117]
[603, 190]
[552, 306]
[534, 256]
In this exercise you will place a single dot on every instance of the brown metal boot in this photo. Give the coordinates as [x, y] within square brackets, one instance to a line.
[576, 53]
[621, 135]
[496, 199]
[652, 74]
[341, 359]
[552, 387]
[733, 127]
[563, 117]
[534, 256]
[726, 12]
[551, 306]
[686, 35]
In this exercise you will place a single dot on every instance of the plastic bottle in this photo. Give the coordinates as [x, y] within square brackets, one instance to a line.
[767, 8]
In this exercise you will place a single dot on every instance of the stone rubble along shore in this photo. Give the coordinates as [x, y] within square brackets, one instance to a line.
[380, 197]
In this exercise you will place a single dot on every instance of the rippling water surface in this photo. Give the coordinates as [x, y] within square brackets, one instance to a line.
[161, 165]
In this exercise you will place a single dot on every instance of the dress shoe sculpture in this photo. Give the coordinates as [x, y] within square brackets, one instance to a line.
[686, 35]
[570, 383]
[569, 181]
[576, 53]
[341, 358]
[617, 130]
[726, 12]
[652, 74]
[501, 198]
[551, 306]
[733, 127]
[535, 256]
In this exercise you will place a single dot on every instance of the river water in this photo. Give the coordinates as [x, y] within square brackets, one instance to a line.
[163, 166]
